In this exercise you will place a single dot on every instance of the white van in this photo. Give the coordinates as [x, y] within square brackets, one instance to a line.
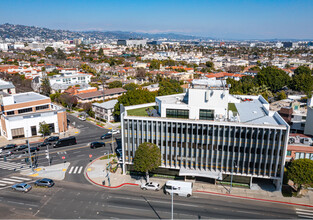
[178, 188]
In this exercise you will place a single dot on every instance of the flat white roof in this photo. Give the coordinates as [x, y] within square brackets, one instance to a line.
[28, 97]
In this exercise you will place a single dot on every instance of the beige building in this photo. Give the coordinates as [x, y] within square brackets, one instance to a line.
[22, 113]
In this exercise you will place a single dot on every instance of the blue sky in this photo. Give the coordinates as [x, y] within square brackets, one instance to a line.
[224, 19]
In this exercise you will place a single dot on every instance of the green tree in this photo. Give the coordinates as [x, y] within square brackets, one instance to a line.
[115, 84]
[100, 52]
[44, 129]
[131, 86]
[301, 173]
[273, 77]
[154, 64]
[302, 80]
[281, 95]
[45, 86]
[49, 50]
[169, 87]
[147, 158]
[60, 54]
[209, 64]
[134, 97]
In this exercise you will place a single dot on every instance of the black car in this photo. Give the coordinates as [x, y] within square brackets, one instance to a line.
[65, 142]
[96, 144]
[106, 136]
[20, 148]
[34, 149]
[44, 182]
[49, 141]
[9, 147]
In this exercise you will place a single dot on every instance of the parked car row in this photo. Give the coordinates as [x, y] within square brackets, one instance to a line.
[24, 187]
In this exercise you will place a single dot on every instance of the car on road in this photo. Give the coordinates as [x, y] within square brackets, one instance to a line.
[44, 182]
[33, 149]
[97, 144]
[22, 187]
[82, 117]
[106, 136]
[65, 142]
[8, 147]
[49, 141]
[150, 186]
[114, 132]
[20, 149]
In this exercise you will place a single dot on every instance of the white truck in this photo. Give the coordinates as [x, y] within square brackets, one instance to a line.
[178, 188]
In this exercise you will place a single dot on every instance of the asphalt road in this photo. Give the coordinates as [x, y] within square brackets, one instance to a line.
[68, 200]
[77, 155]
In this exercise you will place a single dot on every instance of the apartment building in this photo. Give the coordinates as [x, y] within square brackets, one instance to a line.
[208, 133]
[70, 78]
[21, 114]
[104, 110]
[100, 95]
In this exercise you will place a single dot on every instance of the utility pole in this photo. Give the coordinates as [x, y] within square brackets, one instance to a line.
[172, 204]
[232, 173]
[29, 154]
[48, 156]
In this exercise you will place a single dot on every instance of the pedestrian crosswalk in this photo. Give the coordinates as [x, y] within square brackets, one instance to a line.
[13, 166]
[9, 181]
[305, 213]
[75, 170]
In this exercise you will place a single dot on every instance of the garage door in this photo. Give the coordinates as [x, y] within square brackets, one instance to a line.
[17, 132]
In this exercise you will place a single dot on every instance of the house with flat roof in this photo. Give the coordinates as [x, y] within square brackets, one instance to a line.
[209, 133]
[104, 110]
[7, 87]
[100, 95]
[21, 114]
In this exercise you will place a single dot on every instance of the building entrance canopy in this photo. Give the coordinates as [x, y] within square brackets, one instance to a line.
[200, 173]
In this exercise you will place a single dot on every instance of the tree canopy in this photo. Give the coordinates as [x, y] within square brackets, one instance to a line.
[302, 80]
[147, 158]
[44, 129]
[45, 86]
[115, 84]
[301, 172]
[134, 97]
[49, 50]
[169, 87]
[273, 77]
[131, 86]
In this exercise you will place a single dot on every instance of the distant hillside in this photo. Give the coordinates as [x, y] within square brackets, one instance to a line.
[22, 31]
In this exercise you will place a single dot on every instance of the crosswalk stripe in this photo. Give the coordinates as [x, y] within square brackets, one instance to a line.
[71, 170]
[304, 213]
[8, 182]
[1, 184]
[75, 170]
[21, 178]
[304, 216]
[80, 170]
[304, 210]
[8, 179]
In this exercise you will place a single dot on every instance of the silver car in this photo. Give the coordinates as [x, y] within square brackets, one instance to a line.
[22, 187]
[151, 186]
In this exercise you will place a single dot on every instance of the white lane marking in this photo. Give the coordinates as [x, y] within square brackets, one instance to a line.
[20, 178]
[305, 213]
[80, 170]
[304, 216]
[304, 210]
[71, 170]
[2, 184]
[8, 182]
[8, 179]
[76, 168]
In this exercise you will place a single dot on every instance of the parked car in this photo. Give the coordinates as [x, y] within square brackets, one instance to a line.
[106, 136]
[20, 149]
[8, 147]
[65, 142]
[44, 182]
[22, 187]
[150, 186]
[178, 188]
[114, 132]
[96, 144]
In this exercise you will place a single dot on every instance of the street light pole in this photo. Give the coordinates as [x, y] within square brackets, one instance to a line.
[172, 204]
[30, 156]
[232, 173]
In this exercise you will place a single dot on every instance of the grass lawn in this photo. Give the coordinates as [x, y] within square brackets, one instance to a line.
[139, 111]
[232, 107]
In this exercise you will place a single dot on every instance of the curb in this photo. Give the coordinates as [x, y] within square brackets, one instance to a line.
[100, 185]
[251, 198]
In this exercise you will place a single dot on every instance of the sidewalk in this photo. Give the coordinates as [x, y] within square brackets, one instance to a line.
[96, 174]
[71, 131]
[55, 172]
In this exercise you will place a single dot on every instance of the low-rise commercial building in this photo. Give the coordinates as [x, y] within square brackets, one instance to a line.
[22, 113]
[100, 95]
[208, 133]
